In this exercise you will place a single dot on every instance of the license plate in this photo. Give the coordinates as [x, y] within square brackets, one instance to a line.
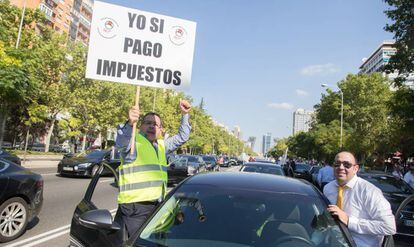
[409, 222]
[68, 168]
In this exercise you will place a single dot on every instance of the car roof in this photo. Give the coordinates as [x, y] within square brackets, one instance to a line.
[252, 181]
[259, 163]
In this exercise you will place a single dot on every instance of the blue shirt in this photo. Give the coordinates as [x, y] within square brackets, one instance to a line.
[326, 175]
[124, 133]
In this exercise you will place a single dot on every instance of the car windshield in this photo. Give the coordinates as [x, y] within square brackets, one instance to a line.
[302, 167]
[191, 158]
[209, 158]
[201, 215]
[389, 184]
[96, 154]
[264, 169]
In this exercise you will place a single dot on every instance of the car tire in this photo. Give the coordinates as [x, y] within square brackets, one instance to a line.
[14, 210]
[94, 170]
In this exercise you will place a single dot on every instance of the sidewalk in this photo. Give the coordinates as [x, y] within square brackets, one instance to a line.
[41, 161]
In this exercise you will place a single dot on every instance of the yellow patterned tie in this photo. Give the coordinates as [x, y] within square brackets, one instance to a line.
[340, 198]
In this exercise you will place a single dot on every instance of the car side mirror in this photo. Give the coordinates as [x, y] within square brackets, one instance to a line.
[99, 219]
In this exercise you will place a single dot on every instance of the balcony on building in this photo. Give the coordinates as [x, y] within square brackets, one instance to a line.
[84, 22]
[87, 8]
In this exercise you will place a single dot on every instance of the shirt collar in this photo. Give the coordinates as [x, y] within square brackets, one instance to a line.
[351, 183]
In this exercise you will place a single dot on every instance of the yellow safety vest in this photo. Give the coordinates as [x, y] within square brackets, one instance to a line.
[146, 178]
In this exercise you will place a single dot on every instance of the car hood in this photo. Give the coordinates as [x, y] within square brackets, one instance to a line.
[78, 160]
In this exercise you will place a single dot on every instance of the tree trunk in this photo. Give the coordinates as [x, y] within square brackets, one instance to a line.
[84, 143]
[49, 135]
[3, 117]
[25, 145]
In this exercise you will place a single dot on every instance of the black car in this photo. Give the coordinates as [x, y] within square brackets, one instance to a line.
[88, 164]
[211, 163]
[184, 166]
[222, 209]
[263, 168]
[21, 198]
[8, 156]
[302, 170]
[395, 191]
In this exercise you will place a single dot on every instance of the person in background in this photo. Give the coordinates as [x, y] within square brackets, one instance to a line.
[409, 176]
[325, 175]
[358, 204]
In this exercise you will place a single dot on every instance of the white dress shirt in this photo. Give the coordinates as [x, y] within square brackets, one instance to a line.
[409, 178]
[370, 215]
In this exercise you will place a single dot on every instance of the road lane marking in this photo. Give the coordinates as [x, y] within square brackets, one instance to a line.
[43, 237]
[47, 174]
[107, 180]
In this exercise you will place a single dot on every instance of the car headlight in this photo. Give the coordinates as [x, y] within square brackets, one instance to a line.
[84, 165]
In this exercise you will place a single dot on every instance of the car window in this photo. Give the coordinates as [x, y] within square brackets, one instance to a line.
[96, 154]
[209, 158]
[105, 194]
[389, 184]
[199, 216]
[181, 162]
[192, 159]
[249, 169]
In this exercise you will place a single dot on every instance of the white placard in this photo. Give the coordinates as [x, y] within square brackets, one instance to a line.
[142, 48]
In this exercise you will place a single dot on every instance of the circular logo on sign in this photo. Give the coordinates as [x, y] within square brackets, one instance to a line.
[108, 28]
[178, 35]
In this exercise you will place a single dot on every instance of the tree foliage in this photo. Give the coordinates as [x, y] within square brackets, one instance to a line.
[401, 12]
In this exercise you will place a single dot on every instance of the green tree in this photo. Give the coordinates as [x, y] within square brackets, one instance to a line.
[401, 12]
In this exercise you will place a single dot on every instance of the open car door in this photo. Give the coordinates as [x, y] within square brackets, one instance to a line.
[92, 222]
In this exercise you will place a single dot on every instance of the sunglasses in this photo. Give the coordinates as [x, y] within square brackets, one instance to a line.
[346, 164]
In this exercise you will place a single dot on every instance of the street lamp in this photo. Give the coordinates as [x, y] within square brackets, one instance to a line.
[342, 110]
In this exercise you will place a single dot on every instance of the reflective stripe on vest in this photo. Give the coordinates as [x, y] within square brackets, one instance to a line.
[145, 179]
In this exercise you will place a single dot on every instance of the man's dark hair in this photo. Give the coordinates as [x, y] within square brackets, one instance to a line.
[151, 114]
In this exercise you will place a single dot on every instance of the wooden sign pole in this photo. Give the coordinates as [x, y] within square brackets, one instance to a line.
[134, 126]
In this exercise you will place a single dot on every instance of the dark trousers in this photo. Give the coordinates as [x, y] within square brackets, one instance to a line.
[131, 216]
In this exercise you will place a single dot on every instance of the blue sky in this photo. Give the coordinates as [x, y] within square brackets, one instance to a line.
[255, 62]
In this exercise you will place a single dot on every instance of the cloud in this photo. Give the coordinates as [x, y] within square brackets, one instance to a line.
[285, 106]
[301, 92]
[319, 69]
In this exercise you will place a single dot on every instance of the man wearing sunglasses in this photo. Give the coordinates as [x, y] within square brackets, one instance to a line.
[143, 174]
[358, 204]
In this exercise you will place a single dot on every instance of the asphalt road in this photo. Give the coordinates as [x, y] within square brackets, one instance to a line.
[60, 197]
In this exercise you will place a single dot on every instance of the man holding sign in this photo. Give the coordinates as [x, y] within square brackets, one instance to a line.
[143, 172]
[145, 49]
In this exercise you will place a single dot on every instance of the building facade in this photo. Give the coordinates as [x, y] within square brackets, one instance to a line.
[70, 17]
[302, 120]
[251, 141]
[379, 58]
[266, 144]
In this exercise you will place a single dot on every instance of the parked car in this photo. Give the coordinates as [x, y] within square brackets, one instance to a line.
[184, 166]
[302, 171]
[396, 191]
[222, 209]
[228, 162]
[11, 157]
[21, 198]
[39, 147]
[262, 168]
[87, 164]
[211, 163]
